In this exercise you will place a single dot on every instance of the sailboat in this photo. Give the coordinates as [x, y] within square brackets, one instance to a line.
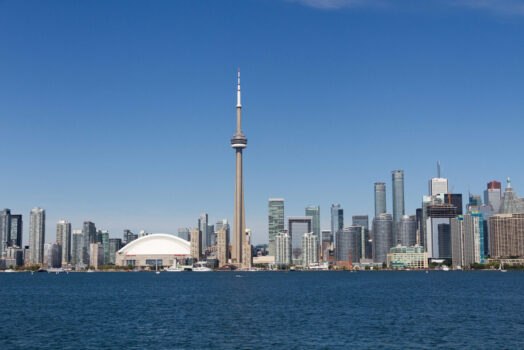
[501, 267]
[156, 267]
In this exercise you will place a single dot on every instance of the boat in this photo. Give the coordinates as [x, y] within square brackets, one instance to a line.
[174, 268]
[90, 271]
[501, 267]
[9, 270]
[201, 267]
[445, 268]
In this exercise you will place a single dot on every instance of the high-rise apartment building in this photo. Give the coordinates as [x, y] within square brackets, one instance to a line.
[360, 220]
[196, 244]
[506, 235]
[89, 231]
[380, 198]
[283, 249]
[225, 224]
[96, 255]
[309, 249]
[397, 177]
[325, 244]
[5, 231]
[63, 237]
[407, 231]
[222, 246]
[467, 240]
[297, 227]
[16, 230]
[314, 212]
[77, 249]
[382, 237]
[53, 255]
[493, 195]
[275, 221]
[36, 236]
[337, 220]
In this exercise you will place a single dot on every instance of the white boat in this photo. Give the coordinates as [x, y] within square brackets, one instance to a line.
[90, 271]
[445, 268]
[174, 268]
[201, 267]
[9, 270]
[501, 267]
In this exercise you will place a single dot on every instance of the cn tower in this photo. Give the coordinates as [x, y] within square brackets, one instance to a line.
[238, 142]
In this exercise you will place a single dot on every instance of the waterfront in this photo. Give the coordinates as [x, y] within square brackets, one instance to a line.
[363, 310]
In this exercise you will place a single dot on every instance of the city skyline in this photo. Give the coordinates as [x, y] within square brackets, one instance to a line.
[115, 151]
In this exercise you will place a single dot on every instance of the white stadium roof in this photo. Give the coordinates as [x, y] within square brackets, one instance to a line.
[157, 244]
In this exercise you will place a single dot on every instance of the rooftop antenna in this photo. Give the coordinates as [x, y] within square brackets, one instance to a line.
[438, 169]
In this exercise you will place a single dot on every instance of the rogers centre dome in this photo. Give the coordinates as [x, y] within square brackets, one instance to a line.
[156, 249]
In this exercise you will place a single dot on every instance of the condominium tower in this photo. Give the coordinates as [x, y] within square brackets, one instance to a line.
[275, 221]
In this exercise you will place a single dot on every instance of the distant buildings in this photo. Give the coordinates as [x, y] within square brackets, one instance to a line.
[283, 249]
[337, 220]
[36, 236]
[203, 227]
[297, 227]
[510, 202]
[196, 244]
[407, 257]
[63, 237]
[382, 237]
[96, 255]
[222, 247]
[275, 221]
[77, 249]
[493, 195]
[380, 198]
[102, 237]
[5, 231]
[115, 244]
[397, 177]
[53, 255]
[314, 212]
[438, 230]
[16, 230]
[129, 237]
[309, 249]
[348, 246]
[438, 185]
[184, 233]
[467, 240]
[407, 231]
[89, 232]
[506, 235]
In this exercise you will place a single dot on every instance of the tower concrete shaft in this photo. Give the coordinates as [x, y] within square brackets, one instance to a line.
[238, 142]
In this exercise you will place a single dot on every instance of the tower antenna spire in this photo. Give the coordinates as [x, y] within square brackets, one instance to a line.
[239, 105]
[438, 169]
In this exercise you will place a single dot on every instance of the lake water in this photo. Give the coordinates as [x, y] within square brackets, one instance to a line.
[262, 310]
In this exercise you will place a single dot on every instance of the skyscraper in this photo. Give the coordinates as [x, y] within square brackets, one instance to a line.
[337, 220]
[63, 237]
[89, 231]
[297, 227]
[275, 221]
[398, 199]
[438, 229]
[309, 249]
[467, 240]
[196, 244]
[382, 237]
[510, 202]
[36, 236]
[493, 195]
[362, 220]
[129, 237]
[506, 235]
[238, 142]
[314, 212]
[222, 246]
[102, 237]
[225, 224]
[5, 231]
[456, 200]
[77, 249]
[183, 232]
[438, 185]
[407, 231]
[348, 246]
[380, 198]
[114, 246]
[203, 227]
[283, 249]
[16, 230]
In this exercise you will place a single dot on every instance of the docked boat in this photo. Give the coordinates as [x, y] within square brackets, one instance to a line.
[201, 267]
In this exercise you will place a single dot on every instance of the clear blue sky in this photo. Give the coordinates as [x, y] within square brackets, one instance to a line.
[120, 112]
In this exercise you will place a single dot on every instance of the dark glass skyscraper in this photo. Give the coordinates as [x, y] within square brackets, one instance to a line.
[337, 220]
[314, 212]
[16, 230]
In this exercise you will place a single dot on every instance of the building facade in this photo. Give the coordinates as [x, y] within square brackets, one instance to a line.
[397, 177]
[36, 236]
[222, 247]
[337, 220]
[77, 249]
[275, 221]
[382, 237]
[16, 230]
[493, 195]
[314, 212]
[283, 249]
[407, 231]
[309, 249]
[63, 237]
[407, 257]
[297, 227]
[196, 244]
[5, 231]
[380, 198]
[506, 235]
[467, 240]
